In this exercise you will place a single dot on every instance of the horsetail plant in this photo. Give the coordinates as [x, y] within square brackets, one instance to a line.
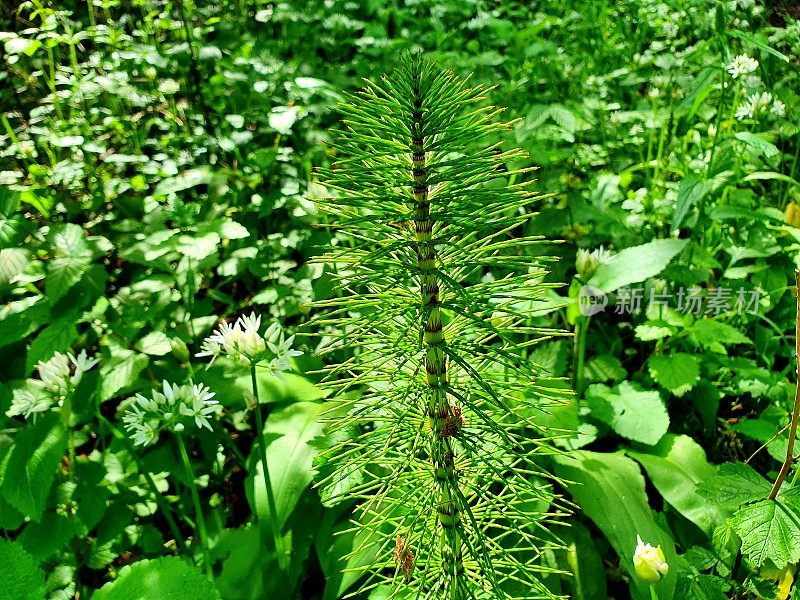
[433, 425]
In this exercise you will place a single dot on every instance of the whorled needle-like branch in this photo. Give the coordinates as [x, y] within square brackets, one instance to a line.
[434, 424]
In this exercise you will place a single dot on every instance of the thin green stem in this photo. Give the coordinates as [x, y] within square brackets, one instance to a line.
[580, 354]
[262, 447]
[198, 509]
[653, 593]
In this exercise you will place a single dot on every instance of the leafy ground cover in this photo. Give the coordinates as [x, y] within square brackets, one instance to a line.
[161, 178]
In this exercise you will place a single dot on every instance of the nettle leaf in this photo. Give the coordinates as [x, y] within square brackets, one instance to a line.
[120, 372]
[690, 191]
[12, 262]
[168, 577]
[677, 372]
[21, 317]
[20, 578]
[715, 335]
[28, 471]
[649, 333]
[634, 414]
[73, 258]
[56, 337]
[635, 264]
[155, 343]
[735, 484]
[769, 530]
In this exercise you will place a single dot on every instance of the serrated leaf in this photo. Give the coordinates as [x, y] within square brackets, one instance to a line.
[168, 578]
[770, 530]
[155, 343]
[20, 578]
[715, 335]
[649, 333]
[636, 415]
[27, 472]
[690, 191]
[56, 337]
[676, 372]
[12, 262]
[635, 264]
[735, 484]
[232, 230]
[120, 372]
[603, 368]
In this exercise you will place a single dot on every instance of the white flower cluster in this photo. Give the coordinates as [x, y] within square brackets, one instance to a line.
[172, 409]
[243, 343]
[741, 65]
[586, 263]
[58, 377]
[758, 103]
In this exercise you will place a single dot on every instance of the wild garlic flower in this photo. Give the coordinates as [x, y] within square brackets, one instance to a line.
[778, 108]
[26, 403]
[755, 104]
[649, 562]
[172, 409]
[58, 377]
[741, 65]
[243, 343]
[282, 349]
[586, 263]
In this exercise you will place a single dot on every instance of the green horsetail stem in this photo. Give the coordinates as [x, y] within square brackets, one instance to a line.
[440, 413]
[432, 424]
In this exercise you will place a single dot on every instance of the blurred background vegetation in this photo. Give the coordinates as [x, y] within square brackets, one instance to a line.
[157, 173]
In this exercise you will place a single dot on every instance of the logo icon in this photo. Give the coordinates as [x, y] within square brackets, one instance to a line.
[591, 300]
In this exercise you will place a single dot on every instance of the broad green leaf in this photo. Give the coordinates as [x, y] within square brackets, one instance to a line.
[677, 466]
[199, 246]
[155, 343]
[584, 563]
[12, 262]
[56, 337]
[281, 118]
[649, 333]
[765, 175]
[21, 317]
[715, 335]
[184, 181]
[120, 372]
[677, 372]
[609, 489]
[734, 484]
[20, 45]
[758, 144]
[289, 456]
[635, 264]
[770, 530]
[20, 578]
[755, 41]
[168, 578]
[47, 537]
[634, 414]
[28, 471]
[690, 192]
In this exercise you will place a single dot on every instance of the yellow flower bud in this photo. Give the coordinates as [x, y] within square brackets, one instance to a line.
[649, 562]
